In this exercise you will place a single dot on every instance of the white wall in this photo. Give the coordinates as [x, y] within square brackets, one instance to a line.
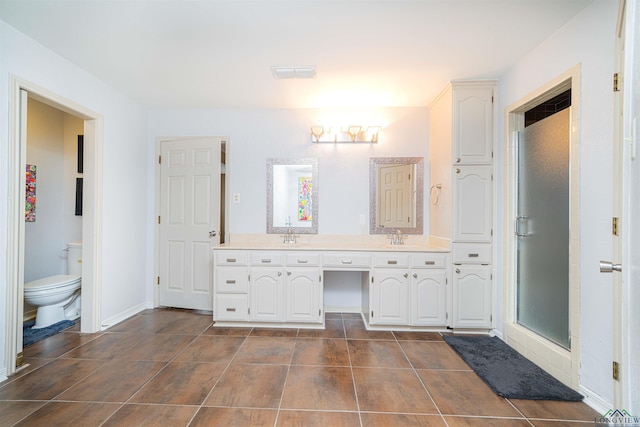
[125, 165]
[587, 40]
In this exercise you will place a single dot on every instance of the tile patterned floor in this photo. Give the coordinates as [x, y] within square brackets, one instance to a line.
[168, 367]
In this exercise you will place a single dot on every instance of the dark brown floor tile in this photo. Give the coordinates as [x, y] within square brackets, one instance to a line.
[12, 412]
[486, 422]
[211, 348]
[49, 381]
[180, 383]
[333, 328]
[553, 409]
[331, 352]
[235, 332]
[165, 322]
[70, 414]
[225, 417]
[265, 350]
[29, 365]
[274, 332]
[561, 423]
[379, 354]
[405, 420]
[417, 336]
[158, 347]
[352, 316]
[252, 386]
[432, 355]
[106, 346]
[319, 388]
[152, 415]
[333, 316]
[194, 325]
[317, 419]
[391, 390]
[464, 393]
[58, 344]
[116, 381]
[355, 330]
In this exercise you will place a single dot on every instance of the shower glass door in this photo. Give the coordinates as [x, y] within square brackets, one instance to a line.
[542, 228]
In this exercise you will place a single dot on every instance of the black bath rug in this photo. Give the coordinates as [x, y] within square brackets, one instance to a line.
[507, 372]
[30, 335]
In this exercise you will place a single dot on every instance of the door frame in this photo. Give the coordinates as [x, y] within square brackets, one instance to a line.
[91, 221]
[226, 147]
[541, 351]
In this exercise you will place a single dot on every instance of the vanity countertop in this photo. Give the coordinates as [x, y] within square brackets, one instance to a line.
[377, 243]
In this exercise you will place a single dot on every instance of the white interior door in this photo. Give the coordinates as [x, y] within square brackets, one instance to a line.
[626, 207]
[189, 221]
[395, 192]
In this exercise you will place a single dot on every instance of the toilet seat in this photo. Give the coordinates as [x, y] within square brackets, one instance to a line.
[51, 283]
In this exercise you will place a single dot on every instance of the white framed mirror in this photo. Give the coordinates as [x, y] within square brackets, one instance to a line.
[396, 195]
[292, 196]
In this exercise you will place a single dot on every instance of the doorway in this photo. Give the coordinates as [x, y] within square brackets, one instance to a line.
[20, 92]
[546, 343]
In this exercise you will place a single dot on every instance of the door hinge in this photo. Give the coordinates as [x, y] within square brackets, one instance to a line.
[319, 312]
[158, 281]
[248, 310]
[320, 278]
[158, 219]
[616, 86]
[371, 313]
[614, 226]
[446, 316]
[616, 371]
[491, 318]
[19, 359]
[159, 160]
[371, 279]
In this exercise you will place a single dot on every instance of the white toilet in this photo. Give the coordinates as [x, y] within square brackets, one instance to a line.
[58, 297]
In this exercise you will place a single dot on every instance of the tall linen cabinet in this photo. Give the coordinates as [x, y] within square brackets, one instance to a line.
[461, 139]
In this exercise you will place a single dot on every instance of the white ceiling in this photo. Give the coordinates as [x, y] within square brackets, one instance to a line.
[219, 53]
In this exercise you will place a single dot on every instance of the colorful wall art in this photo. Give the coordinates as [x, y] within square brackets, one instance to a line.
[30, 203]
[304, 198]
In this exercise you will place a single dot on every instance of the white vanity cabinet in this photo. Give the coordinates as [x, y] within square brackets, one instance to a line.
[472, 298]
[303, 288]
[461, 196]
[231, 292]
[266, 285]
[428, 290]
[389, 290]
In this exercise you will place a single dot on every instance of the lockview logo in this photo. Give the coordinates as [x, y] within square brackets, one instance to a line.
[618, 417]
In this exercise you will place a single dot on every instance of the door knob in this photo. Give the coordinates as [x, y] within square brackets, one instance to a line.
[213, 233]
[608, 267]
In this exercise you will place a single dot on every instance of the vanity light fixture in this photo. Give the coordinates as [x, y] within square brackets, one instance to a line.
[344, 134]
[294, 72]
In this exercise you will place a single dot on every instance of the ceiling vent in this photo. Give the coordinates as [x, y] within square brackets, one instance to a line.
[294, 72]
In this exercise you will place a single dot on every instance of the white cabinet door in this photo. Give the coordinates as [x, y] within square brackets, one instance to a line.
[473, 124]
[428, 298]
[266, 290]
[472, 204]
[390, 297]
[303, 291]
[472, 296]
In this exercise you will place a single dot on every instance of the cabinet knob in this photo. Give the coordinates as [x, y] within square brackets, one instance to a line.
[457, 170]
[458, 160]
[415, 275]
[458, 270]
[406, 275]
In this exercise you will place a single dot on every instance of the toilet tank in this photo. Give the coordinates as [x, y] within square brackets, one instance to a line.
[74, 258]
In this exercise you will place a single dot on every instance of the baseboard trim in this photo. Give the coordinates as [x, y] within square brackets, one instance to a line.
[114, 320]
[3, 375]
[595, 401]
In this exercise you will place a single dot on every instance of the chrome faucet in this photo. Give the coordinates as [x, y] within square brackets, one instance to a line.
[289, 237]
[397, 238]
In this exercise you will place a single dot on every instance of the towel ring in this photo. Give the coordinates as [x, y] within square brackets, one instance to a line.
[435, 189]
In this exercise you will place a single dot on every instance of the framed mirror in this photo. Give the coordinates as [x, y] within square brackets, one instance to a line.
[292, 196]
[396, 195]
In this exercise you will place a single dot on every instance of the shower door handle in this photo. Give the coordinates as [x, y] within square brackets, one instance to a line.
[519, 221]
[609, 267]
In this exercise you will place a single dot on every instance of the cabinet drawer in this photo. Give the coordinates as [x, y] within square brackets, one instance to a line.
[232, 279]
[346, 260]
[429, 260]
[267, 258]
[394, 260]
[231, 307]
[231, 258]
[303, 258]
[471, 253]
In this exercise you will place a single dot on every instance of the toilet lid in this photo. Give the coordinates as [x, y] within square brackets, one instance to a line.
[52, 282]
